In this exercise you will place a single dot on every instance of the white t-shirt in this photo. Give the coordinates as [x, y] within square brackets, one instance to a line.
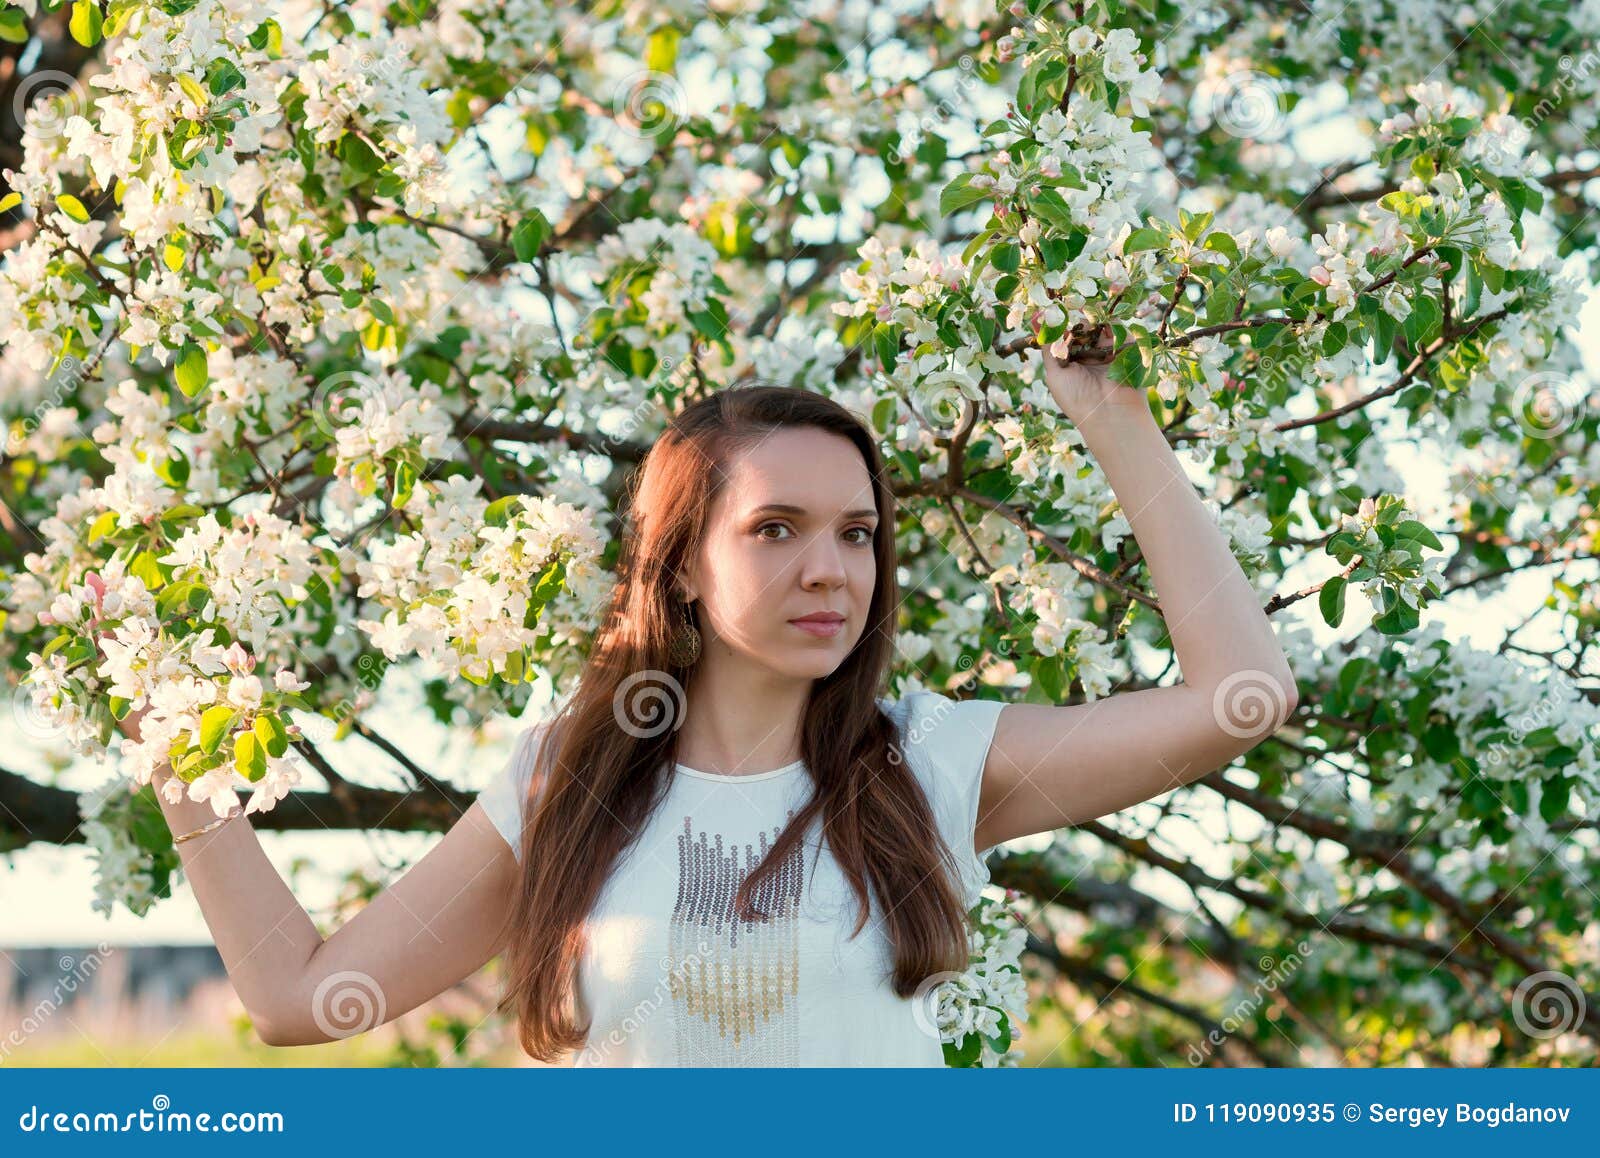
[671, 978]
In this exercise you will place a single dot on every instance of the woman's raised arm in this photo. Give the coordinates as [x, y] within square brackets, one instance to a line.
[435, 926]
[1050, 766]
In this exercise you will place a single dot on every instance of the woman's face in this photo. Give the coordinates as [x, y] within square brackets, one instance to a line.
[791, 534]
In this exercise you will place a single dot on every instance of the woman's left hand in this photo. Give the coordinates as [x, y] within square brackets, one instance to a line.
[1079, 384]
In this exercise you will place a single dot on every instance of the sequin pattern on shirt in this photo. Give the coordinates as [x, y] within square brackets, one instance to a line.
[734, 982]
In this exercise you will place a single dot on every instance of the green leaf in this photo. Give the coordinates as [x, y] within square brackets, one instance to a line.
[959, 194]
[1007, 258]
[979, 240]
[1224, 244]
[103, 526]
[1194, 224]
[1334, 339]
[145, 568]
[405, 480]
[1412, 529]
[515, 665]
[1331, 600]
[1142, 239]
[223, 77]
[182, 597]
[215, 723]
[268, 38]
[549, 585]
[498, 513]
[273, 735]
[886, 343]
[249, 757]
[883, 412]
[13, 26]
[1051, 208]
[85, 23]
[72, 207]
[192, 89]
[529, 236]
[1049, 674]
[1056, 253]
[661, 53]
[1342, 545]
[966, 1054]
[357, 154]
[191, 370]
[711, 322]
[1555, 799]
[1422, 324]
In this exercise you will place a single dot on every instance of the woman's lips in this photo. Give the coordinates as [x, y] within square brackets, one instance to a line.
[821, 628]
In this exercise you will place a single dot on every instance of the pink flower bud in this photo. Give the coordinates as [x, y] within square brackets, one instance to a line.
[1320, 275]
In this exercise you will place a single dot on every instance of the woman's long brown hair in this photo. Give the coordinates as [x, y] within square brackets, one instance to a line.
[592, 793]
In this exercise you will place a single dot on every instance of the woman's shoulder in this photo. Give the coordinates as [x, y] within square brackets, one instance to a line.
[943, 728]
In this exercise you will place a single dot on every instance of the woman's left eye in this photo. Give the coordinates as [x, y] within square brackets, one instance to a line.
[865, 531]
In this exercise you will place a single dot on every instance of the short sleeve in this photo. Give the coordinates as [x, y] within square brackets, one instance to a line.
[504, 796]
[947, 743]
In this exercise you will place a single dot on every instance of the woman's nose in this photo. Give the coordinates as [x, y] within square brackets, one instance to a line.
[824, 564]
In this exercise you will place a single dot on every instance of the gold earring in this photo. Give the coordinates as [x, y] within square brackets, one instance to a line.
[684, 649]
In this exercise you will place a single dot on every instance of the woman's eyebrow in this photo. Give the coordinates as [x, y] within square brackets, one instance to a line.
[800, 512]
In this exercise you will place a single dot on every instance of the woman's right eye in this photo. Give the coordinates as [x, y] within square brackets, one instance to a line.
[766, 526]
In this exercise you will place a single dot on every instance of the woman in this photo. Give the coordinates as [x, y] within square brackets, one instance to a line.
[765, 869]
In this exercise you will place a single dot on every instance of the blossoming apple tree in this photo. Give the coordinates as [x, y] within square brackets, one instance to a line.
[331, 331]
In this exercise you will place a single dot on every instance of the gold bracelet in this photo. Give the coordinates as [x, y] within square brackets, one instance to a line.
[209, 825]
